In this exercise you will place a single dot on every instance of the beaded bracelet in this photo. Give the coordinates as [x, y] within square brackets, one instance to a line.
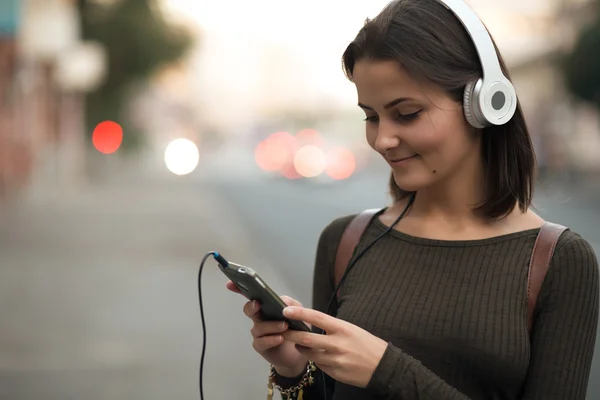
[306, 380]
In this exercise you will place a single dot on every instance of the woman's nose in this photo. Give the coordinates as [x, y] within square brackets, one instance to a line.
[387, 137]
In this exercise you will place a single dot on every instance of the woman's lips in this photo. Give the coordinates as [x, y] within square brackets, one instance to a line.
[402, 160]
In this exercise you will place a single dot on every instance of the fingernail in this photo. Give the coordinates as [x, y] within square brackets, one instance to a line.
[283, 326]
[288, 311]
[254, 305]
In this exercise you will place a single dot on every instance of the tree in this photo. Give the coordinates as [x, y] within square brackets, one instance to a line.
[582, 65]
[138, 41]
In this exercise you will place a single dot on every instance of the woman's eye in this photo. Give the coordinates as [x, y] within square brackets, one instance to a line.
[403, 118]
[408, 117]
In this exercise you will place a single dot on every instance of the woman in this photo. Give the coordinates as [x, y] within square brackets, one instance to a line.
[435, 309]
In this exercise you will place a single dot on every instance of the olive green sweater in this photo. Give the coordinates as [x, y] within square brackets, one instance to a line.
[454, 314]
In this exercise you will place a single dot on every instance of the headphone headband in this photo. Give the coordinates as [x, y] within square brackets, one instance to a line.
[480, 36]
[491, 100]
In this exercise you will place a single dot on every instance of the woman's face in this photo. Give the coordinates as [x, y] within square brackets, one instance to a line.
[418, 129]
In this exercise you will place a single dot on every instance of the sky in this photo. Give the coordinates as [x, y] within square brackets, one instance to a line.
[293, 21]
[253, 52]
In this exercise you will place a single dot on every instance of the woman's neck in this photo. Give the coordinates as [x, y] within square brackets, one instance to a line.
[446, 204]
[453, 199]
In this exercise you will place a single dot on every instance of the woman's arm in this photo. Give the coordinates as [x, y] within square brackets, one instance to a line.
[400, 376]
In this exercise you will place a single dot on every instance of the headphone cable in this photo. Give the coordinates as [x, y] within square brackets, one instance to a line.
[353, 262]
[225, 263]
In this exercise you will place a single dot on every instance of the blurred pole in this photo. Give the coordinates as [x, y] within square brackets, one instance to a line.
[79, 70]
[51, 113]
[70, 149]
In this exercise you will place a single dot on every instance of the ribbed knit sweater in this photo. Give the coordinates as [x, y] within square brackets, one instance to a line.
[454, 314]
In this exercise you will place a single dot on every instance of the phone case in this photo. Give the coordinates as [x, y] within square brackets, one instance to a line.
[254, 288]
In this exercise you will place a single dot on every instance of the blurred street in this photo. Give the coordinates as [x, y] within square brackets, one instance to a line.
[98, 294]
[138, 135]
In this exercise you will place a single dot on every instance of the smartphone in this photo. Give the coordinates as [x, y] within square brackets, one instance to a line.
[254, 288]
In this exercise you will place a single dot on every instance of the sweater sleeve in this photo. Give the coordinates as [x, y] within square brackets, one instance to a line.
[323, 287]
[402, 377]
[566, 322]
[562, 343]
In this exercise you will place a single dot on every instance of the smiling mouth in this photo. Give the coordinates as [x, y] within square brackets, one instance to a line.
[398, 160]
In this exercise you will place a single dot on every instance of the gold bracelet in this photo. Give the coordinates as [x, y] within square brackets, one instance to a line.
[306, 380]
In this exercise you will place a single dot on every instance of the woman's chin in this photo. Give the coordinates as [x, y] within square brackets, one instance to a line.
[411, 183]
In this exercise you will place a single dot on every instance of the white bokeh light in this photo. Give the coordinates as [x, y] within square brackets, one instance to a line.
[182, 156]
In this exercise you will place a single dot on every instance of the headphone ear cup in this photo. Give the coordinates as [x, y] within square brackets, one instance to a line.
[469, 102]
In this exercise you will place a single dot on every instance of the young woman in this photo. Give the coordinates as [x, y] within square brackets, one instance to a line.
[436, 308]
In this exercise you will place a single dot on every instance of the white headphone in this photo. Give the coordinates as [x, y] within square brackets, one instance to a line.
[491, 99]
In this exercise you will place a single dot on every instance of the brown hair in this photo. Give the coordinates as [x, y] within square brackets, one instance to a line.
[433, 46]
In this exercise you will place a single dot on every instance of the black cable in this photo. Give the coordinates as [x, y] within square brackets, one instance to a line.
[224, 263]
[353, 262]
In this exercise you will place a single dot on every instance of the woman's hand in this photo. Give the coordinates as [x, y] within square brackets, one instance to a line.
[268, 340]
[347, 353]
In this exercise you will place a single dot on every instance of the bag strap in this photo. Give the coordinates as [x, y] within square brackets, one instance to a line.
[349, 241]
[543, 250]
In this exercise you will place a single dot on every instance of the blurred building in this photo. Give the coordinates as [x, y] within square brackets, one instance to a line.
[566, 132]
[14, 154]
[45, 70]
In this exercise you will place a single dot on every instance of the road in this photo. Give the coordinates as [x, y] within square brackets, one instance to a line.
[99, 298]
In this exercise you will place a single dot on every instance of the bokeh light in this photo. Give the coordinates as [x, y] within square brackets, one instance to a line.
[288, 171]
[310, 161]
[182, 156]
[107, 137]
[273, 153]
[309, 137]
[341, 163]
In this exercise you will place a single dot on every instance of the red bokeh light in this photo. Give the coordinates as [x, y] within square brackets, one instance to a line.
[341, 163]
[289, 171]
[107, 137]
[310, 136]
[273, 153]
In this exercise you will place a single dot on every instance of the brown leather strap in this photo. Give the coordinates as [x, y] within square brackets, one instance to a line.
[543, 249]
[349, 241]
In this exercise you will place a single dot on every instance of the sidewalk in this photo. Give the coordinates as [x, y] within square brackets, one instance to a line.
[98, 297]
